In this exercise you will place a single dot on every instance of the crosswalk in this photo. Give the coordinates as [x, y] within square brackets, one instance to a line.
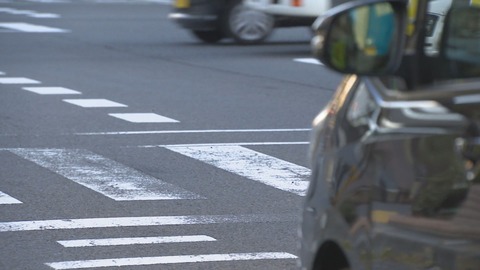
[119, 182]
[122, 183]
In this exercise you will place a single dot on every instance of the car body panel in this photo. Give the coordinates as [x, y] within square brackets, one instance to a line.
[298, 8]
[389, 185]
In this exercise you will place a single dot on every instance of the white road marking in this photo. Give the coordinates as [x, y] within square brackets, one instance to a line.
[308, 61]
[7, 199]
[103, 175]
[2, 73]
[115, 222]
[95, 103]
[31, 28]
[263, 168]
[143, 118]
[18, 80]
[193, 131]
[118, 262]
[136, 241]
[51, 90]
[222, 144]
[29, 13]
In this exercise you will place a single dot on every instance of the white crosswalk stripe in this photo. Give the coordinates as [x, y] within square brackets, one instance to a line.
[135, 241]
[103, 175]
[251, 164]
[7, 199]
[117, 262]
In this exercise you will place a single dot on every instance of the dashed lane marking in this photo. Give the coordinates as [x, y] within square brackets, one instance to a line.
[17, 80]
[51, 90]
[143, 118]
[253, 165]
[103, 175]
[118, 262]
[94, 103]
[308, 61]
[29, 13]
[31, 28]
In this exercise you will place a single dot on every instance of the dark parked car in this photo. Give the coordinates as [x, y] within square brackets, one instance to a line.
[395, 154]
[213, 20]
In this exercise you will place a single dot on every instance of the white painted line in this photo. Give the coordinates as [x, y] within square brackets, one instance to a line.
[115, 222]
[94, 103]
[118, 262]
[308, 61]
[259, 167]
[7, 199]
[223, 144]
[2, 73]
[31, 28]
[45, 16]
[103, 175]
[143, 118]
[136, 241]
[194, 131]
[51, 90]
[18, 80]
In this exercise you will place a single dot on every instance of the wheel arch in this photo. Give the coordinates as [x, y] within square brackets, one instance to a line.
[330, 256]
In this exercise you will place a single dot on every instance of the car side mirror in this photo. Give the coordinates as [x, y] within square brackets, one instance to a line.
[359, 38]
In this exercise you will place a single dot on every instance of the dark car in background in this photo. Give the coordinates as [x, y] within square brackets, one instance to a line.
[213, 20]
[395, 155]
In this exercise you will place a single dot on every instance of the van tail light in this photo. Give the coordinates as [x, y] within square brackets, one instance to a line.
[297, 3]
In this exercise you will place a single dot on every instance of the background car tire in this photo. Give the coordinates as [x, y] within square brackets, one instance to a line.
[212, 36]
[247, 26]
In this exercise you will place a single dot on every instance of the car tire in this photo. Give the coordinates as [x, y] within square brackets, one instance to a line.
[247, 26]
[210, 36]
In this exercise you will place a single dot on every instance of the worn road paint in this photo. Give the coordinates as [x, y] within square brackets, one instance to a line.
[117, 262]
[136, 241]
[263, 168]
[103, 175]
[194, 131]
[90, 223]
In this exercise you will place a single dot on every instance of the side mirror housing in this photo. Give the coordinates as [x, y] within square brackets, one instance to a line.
[362, 37]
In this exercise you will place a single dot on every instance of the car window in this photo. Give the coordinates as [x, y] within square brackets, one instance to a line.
[451, 41]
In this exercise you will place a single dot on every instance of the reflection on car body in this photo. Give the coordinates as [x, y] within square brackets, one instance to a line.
[395, 154]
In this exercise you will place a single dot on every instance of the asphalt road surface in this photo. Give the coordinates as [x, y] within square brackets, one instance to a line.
[125, 142]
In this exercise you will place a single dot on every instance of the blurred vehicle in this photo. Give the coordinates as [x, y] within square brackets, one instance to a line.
[395, 155]
[213, 20]
[434, 24]
[291, 12]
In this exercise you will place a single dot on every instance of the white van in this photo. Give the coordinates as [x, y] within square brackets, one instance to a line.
[304, 12]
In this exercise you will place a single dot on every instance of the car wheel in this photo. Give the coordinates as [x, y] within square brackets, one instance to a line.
[211, 36]
[247, 26]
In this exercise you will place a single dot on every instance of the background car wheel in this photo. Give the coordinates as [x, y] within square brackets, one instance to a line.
[248, 26]
[208, 36]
